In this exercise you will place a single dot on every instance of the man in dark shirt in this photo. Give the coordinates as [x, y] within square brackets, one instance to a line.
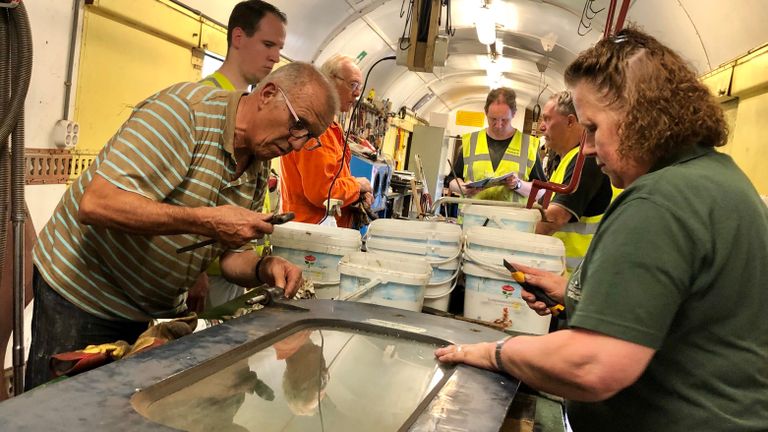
[574, 217]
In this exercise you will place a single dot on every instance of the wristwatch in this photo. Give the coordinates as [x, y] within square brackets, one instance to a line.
[499, 346]
[518, 184]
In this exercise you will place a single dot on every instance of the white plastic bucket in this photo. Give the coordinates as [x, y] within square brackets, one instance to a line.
[510, 218]
[438, 242]
[317, 250]
[384, 280]
[490, 292]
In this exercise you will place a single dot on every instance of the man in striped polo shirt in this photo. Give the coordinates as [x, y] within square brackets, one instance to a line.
[190, 163]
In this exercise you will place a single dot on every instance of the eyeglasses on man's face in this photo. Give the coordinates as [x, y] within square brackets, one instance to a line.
[500, 121]
[299, 132]
[353, 85]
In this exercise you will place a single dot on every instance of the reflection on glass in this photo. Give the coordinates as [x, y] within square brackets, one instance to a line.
[312, 380]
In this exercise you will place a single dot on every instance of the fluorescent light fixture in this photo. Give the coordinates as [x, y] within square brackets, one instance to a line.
[494, 69]
[493, 83]
[485, 24]
[495, 74]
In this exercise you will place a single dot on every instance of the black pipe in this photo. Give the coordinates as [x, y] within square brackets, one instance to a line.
[18, 217]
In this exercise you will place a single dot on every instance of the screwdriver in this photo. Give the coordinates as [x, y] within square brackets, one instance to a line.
[276, 219]
[537, 292]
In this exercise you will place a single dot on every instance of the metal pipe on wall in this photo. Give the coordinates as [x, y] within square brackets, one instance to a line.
[71, 58]
[18, 218]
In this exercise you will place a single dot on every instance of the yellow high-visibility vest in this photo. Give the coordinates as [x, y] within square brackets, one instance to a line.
[576, 235]
[519, 158]
[218, 80]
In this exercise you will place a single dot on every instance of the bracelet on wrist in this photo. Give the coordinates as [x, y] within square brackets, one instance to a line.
[257, 270]
[499, 346]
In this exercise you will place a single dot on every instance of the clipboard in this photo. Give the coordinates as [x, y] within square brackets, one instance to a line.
[488, 182]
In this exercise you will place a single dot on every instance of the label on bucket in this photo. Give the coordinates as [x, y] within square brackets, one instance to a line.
[499, 301]
[317, 267]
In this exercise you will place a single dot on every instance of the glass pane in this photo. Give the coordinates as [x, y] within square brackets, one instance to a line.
[313, 380]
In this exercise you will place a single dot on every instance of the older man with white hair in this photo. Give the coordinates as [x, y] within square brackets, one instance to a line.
[308, 175]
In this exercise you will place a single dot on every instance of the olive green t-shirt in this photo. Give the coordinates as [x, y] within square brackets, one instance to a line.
[680, 264]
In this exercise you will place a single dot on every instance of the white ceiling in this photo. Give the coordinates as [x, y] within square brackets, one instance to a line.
[706, 32]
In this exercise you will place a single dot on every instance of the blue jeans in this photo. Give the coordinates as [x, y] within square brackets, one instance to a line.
[59, 326]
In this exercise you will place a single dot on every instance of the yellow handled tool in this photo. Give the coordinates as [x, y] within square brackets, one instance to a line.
[540, 295]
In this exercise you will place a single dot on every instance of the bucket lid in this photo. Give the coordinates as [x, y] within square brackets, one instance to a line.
[520, 214]
[415, 230]
[415, 271]
[304, 234]
[515, 240]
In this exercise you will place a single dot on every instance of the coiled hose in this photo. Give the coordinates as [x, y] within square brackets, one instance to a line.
[15, 75]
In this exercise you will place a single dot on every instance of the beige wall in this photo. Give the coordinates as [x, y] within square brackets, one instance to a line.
[743, 85]
[748, 142]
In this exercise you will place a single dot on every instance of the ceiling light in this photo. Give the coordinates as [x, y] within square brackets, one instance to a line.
[495, 74]
[485, 24]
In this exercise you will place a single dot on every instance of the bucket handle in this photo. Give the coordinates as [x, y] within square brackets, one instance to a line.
[453, 276]
[324, 283]
[367, 236]
[442, 261]
[498, 269]
[431, 262]
[449, 259]
[364, 289]
[450, 290]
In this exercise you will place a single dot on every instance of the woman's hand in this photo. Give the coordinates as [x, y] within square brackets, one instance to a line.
[479, 355]
[552, 284]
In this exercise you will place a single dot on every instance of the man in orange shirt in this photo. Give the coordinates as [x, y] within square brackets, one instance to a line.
[307, 174]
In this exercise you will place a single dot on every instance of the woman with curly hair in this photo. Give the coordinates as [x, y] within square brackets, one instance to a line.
[667, 329]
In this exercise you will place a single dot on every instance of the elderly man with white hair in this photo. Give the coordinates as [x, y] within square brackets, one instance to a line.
[308, 175]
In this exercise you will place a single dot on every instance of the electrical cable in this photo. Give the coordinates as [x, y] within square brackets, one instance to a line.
[585, 15]
[424, 14]
[346, 137]
[449, 29]
[537, 107]
[407, 23]
[320, 385]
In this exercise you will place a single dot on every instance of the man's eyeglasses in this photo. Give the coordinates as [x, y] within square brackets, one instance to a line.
[298, 130]
[353, 85]
[503, 121]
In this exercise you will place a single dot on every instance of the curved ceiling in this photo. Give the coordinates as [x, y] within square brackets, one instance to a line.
[701, 30]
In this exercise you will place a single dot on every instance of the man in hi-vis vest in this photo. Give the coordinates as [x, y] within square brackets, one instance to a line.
[496, 151]
[573, 218]
[255, 35]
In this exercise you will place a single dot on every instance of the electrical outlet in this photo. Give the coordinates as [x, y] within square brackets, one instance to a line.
[66, 134]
